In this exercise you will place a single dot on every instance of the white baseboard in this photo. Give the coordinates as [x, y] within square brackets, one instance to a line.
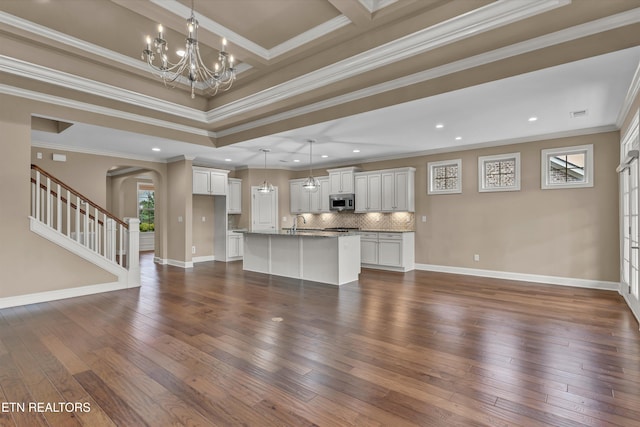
[181, 264]
[161, 261]
[60, 294]
[523, 277]
[206, 258]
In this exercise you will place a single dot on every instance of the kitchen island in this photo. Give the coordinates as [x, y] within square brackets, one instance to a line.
[319, 256]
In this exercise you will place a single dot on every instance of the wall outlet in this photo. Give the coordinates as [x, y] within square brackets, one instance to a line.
[193, 249]
[180, 219]
[424, 218]
[203, 219]
[284, 219]
[476, 257]
[39, 155]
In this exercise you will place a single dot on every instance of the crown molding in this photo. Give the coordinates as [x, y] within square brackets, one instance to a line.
[632, 95]
[91, 108]
[308, 36]
[517, 11]
[455, 29]
[562, 36]
[375, 5]
[70, 81]
[212, 26]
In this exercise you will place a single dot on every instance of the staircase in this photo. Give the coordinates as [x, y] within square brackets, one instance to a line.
[64, 216]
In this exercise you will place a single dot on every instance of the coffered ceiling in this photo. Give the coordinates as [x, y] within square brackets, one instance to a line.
[328, 70]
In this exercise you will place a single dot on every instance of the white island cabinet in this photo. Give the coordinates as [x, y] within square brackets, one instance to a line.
[325, 257]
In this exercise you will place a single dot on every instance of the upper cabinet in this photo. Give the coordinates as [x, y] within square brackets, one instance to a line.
[341, 180]
[211, 182]
[389, 190]
[298, 197]
[303, 201]
[368, 192]
[234, 199]
[398, 190]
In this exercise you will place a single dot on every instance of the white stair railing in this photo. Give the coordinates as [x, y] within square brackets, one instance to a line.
[73, 215]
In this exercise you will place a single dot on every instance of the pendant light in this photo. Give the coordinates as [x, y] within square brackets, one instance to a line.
[266, 186]
[311, 184]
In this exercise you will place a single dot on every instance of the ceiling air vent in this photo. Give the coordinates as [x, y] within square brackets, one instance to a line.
[579, 113]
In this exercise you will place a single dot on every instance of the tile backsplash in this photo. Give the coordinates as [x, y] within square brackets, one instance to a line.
[401, 221]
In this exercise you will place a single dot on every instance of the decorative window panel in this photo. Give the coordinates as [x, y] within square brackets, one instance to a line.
[499, 173]
[567, 167]
[445, 177]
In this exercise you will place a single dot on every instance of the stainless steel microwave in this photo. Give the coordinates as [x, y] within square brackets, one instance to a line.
[342, 202]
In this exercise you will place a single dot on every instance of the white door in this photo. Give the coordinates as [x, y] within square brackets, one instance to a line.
[630, 209]
[630, 234]
[264, 210]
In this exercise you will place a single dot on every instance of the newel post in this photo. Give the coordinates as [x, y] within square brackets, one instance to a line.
[133, 252]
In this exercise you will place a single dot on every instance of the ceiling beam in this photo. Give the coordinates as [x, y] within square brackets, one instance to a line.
[354, 10]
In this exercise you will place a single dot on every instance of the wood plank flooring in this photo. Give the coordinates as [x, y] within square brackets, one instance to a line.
[204, 347]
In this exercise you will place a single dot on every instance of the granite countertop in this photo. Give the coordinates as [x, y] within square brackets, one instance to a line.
[385, 230]
[301, 233]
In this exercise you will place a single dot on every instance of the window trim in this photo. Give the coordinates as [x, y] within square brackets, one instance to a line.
[431, 181]
[545, 156]
[482, 178]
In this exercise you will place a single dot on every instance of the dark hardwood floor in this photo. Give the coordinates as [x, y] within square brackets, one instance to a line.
[219, 346]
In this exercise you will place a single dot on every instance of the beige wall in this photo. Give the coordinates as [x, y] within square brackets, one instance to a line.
[180, 212]
[29, 263]
[564, 232]
[203, 231]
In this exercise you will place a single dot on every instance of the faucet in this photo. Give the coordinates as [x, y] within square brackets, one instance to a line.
[295, 222]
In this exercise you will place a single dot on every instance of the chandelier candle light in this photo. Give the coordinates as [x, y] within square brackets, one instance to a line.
[311, 184]
[190, 66]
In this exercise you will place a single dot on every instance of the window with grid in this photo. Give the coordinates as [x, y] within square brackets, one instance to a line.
[567, 167]
[445, 177]
[499, 173]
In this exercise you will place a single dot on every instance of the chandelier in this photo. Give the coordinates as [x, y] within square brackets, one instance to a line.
[311, 184]
[190, 66]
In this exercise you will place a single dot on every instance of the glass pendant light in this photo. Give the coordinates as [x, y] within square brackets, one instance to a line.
[311, 184]
[266, 186]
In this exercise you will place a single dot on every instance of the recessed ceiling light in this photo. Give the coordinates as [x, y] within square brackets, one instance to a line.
[533, 119]
[227, 160]
[356, 151]
[324, 156]
[439, 126]
[296, 161]
[155, 149]
[458, 138]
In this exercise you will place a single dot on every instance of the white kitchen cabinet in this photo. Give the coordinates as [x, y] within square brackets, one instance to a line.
[368, 192]
[398, 190]
[235, 244]
[388, 250]
[211, 182]
[319, 201]
[299, 199]
[341, 180]
[234, 198]
[302, 201]
[369, 248]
